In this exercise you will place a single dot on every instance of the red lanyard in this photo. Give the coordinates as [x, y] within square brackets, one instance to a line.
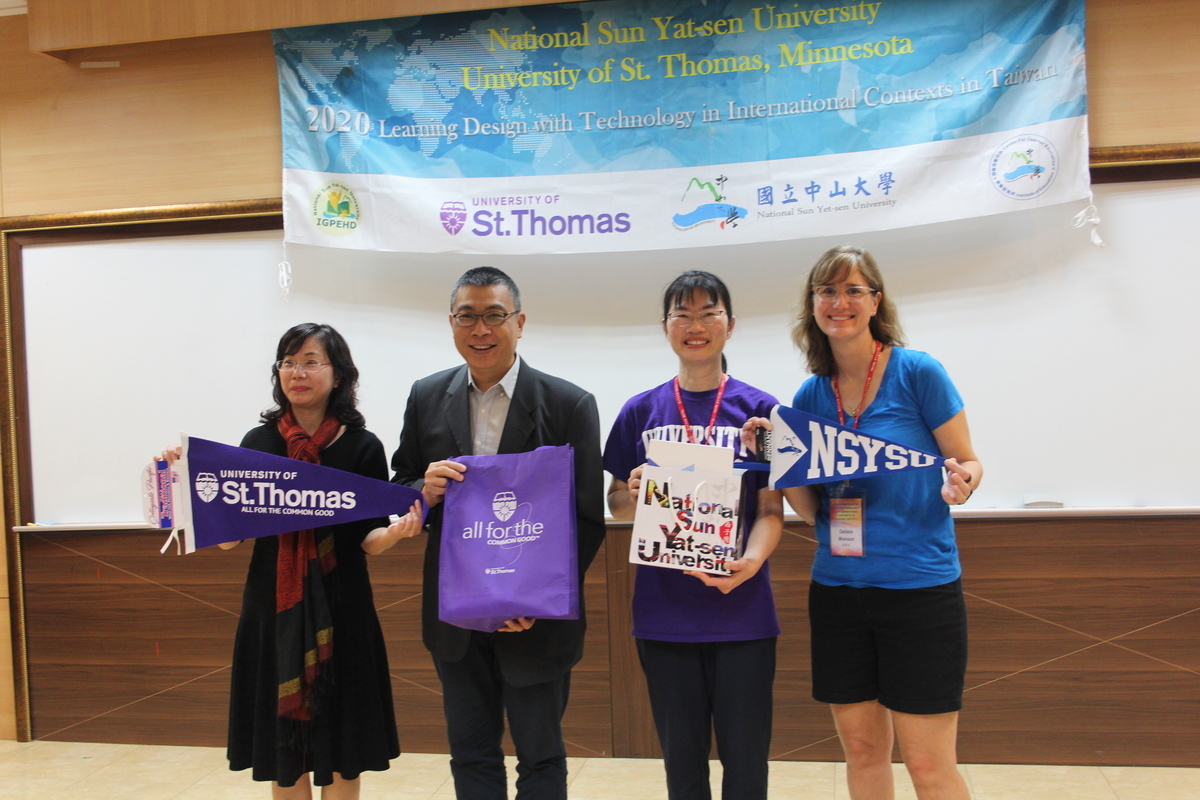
[712, 423]
[866, 388]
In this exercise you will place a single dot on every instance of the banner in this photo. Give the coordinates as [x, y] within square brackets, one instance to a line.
[223, 493]
[643, 124]
[807, 449]
[509, 546]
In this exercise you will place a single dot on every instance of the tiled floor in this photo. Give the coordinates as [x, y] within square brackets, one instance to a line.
[66, 771]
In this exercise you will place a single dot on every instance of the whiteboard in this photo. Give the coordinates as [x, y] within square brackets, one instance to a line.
[1079, 376]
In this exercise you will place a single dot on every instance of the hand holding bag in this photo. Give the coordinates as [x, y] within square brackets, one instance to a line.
[508, 540]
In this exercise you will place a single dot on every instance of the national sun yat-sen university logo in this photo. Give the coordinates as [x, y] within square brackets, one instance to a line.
[1024, 167]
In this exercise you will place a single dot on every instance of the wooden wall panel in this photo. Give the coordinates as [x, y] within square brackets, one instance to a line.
[8, 705]
[123, 644]
[70, 24]
[126, 643]
[195, 121]
[1142, 72]
[1085, 644]
[632, 724]
[1084, 641]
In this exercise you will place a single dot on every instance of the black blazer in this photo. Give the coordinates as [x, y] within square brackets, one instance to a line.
[544, 410]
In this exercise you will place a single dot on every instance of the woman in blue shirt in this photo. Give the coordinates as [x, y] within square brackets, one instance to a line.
[889, 629]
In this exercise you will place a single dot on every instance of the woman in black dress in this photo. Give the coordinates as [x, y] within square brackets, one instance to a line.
[311, 699]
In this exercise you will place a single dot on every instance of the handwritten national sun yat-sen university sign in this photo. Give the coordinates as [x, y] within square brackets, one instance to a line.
[631, 124]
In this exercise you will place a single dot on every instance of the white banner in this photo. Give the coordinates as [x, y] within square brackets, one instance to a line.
[645, 124]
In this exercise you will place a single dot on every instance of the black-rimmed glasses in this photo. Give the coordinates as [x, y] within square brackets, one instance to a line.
[492, 318]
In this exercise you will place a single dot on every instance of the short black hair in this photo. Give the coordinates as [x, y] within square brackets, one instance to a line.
[696, 280]
[343, 400]
[692, 281]
[487, 276]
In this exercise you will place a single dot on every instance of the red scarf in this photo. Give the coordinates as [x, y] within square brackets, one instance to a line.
[303, 622]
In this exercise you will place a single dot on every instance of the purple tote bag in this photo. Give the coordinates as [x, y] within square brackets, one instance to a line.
[508, 540]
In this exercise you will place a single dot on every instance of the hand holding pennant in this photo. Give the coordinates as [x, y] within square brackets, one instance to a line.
[220, 493]
[807, 449]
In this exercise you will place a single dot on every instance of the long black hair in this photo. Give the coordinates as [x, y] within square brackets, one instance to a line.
[343, 400]
[685, 287]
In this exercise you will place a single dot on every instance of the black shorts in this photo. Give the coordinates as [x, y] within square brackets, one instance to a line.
[906, 648]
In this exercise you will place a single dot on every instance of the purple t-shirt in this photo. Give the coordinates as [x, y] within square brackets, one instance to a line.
[667, 604]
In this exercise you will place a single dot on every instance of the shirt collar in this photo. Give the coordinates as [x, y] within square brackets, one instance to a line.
[508, 383]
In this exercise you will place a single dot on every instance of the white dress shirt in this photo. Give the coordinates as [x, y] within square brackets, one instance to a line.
[489, 410]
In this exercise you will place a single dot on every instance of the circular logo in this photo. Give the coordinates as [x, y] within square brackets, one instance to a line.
[335, 209]
[454, 216]
[1024, 167]
[206, 486]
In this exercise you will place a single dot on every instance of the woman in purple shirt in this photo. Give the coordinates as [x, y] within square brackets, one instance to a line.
[706, 642]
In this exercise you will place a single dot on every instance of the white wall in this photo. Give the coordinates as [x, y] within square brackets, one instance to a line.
[1076, 362]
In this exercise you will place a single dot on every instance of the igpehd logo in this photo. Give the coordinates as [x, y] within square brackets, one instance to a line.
[335, 210]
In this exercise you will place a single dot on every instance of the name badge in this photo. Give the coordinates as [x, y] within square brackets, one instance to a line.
[846, 520]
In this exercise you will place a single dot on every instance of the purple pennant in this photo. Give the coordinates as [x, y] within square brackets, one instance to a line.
[227, 493]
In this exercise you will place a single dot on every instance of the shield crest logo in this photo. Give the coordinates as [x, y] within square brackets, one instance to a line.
[206, 486]
[454, 216]
[504, 504]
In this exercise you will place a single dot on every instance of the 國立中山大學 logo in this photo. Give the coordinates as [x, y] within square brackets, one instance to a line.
[335, 210]
[704, 203]
[206, 486]
[1024, 167]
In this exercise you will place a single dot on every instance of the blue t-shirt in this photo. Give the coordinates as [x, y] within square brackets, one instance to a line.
[667, 604]
[908, 533]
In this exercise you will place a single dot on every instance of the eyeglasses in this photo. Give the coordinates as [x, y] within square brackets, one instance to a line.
[830, 293]
[492, 318]
[707, 319]
[287, 365]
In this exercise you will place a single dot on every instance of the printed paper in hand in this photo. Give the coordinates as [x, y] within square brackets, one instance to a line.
[686, 515]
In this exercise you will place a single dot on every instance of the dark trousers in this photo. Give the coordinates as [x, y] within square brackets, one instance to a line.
[704, 687]
[475, 697]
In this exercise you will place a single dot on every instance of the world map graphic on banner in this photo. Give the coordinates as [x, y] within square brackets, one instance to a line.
[630, 124]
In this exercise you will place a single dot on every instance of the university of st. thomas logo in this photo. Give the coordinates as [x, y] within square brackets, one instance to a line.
[504, 504]
[206, 486]
[454, 216]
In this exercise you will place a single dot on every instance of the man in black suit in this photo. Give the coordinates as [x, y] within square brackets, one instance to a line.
[496, 403]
